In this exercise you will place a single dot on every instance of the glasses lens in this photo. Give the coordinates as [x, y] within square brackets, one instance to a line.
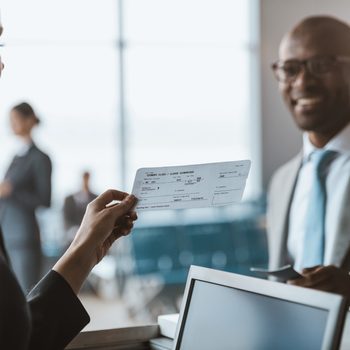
[286, 71]
[321, 65]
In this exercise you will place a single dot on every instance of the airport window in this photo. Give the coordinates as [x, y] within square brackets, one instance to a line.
[185, 74]
[126, 84]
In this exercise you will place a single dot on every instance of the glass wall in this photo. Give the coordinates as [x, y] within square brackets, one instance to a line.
[61, 57]
[183, 67]
[187, 82]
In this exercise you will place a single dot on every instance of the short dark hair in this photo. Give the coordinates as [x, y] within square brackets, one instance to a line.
[26, 111]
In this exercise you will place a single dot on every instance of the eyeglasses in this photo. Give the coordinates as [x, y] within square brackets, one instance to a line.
[287, 71]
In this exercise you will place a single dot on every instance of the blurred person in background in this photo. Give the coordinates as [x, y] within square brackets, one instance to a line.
[75, 205]
[26, 186]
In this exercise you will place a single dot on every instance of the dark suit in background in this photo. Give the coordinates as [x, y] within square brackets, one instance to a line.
[49, 319]
[74, 209]
[30, 178]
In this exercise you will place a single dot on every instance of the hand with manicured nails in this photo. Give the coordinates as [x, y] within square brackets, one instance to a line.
[101, 226]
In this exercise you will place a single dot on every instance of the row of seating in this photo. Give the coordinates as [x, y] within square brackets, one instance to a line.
[168, 251]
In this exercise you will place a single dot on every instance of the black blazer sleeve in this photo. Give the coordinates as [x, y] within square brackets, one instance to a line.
[57, 314]
[50, 318]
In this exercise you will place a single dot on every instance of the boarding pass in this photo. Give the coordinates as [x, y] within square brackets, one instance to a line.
[190, 186]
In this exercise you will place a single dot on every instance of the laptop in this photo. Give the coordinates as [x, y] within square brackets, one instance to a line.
[226, 311]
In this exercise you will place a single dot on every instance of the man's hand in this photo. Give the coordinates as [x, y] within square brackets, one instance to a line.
[326, 278]
[5, 189]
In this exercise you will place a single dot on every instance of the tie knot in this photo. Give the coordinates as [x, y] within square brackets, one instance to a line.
[322, 158]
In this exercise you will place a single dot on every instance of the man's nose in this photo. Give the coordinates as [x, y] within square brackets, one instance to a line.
[304, 78]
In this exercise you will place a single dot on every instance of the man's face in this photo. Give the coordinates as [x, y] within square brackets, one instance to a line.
[317, 103]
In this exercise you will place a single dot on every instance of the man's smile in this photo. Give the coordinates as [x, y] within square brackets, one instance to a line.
[307, 103]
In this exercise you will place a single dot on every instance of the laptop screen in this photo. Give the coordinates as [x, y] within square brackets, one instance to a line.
[221, 317]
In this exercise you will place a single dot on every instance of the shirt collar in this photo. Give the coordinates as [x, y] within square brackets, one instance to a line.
[339, 143]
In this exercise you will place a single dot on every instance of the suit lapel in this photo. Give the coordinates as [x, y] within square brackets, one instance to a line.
[278, 217]
[338, 213]
[286, 196]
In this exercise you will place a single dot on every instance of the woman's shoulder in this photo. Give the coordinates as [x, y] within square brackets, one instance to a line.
[37, 153]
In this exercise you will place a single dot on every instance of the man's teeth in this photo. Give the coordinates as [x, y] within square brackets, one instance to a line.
[307, 101]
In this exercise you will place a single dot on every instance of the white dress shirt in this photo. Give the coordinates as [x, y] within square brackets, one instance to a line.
[297, 215]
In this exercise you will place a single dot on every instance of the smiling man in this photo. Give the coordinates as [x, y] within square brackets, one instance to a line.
[309, 197]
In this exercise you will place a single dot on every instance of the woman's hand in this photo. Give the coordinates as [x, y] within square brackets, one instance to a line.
[101, 226]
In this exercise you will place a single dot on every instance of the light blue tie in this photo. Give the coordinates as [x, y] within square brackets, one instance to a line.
[314, 239]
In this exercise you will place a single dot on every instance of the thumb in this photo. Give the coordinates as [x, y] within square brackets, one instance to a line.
[124, 206]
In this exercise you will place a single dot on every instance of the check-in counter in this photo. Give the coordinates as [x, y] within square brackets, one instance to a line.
[143, 338]
[129, 338]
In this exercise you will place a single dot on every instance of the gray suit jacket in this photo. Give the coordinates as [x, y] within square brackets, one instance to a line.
[73, 211]
[30, 177]
[279, 200]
